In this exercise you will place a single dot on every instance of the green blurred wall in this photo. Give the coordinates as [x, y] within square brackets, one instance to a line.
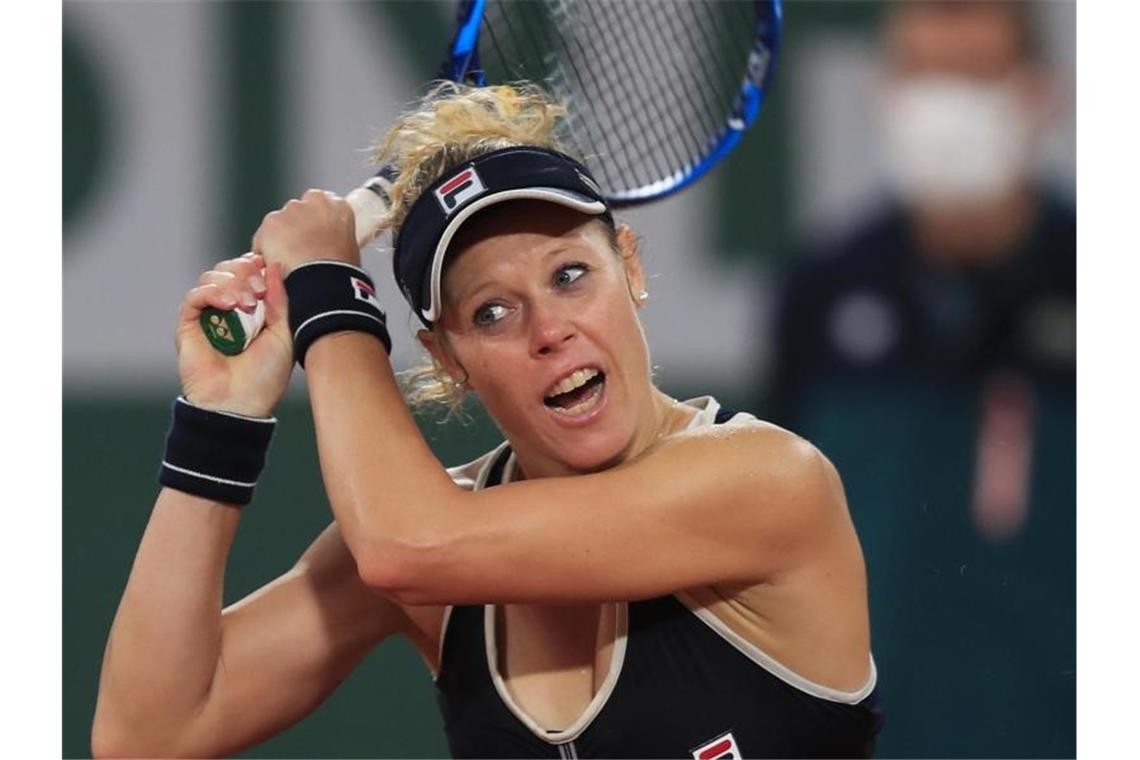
[110, 454]
[975, 639]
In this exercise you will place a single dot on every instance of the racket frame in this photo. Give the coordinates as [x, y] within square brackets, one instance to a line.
[462, 65]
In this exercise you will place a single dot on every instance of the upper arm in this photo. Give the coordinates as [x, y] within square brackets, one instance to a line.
[730, 503]
[287, 646]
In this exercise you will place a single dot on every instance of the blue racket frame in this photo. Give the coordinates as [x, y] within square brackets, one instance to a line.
[463, 65]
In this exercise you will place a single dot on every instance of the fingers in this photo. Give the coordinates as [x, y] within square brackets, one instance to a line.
[204, 297]
[312, 205]
[249, 266]
[276, 301]
[319, 224]
[241, 279]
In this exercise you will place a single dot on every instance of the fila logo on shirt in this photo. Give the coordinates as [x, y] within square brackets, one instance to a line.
[461, 187]
[720, 748]
[364, 292]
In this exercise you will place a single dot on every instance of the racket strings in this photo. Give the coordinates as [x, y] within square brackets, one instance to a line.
[700, 122]
[681, 143]
[709, 75]
[568, 80]
[649, 84]
[615, 112]
[723, 25]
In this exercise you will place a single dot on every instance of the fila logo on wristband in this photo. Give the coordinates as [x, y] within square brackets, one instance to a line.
[462, 187]
[320, 304]
[364, 292]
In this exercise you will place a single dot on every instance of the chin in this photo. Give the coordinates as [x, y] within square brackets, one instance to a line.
[595, 451]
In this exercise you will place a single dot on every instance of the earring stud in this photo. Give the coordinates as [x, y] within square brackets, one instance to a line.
[642, 295]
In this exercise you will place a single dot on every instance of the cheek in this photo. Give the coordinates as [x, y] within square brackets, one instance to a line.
[489, 376]
[622, 324]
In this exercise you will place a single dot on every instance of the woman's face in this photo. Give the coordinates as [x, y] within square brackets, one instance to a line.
[539, 315]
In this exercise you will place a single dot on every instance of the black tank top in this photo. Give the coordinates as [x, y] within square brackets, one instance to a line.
[680, 684]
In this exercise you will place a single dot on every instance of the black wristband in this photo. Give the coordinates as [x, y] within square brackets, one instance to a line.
[332, 296]
[217, 455]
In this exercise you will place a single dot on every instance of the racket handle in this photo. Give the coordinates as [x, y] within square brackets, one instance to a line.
[232, 331]
[370, 205]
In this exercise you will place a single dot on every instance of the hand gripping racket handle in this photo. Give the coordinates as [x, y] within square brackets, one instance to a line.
[232, 331]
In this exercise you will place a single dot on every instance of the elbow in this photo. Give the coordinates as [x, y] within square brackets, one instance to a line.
[412, 561]
[111, 737]
[407, 572]
[105, 745]
[107, 738]
[107, 741]
[101, 744]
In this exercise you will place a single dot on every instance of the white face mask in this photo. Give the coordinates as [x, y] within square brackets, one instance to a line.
[953, 141]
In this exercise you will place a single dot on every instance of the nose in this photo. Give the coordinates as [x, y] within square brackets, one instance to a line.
[551, 329]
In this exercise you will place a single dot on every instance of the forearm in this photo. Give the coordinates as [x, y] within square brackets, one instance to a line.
[164, 645]
[385, 486]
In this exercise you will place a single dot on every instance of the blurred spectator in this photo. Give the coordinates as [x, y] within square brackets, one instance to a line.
[974, 266]
[932, 354]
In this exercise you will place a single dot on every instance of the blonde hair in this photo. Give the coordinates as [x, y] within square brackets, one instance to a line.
[455, 123]
[451, 124]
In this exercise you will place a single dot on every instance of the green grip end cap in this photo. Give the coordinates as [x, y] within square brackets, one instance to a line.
[224, 331]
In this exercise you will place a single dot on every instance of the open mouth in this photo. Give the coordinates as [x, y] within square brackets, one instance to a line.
[578, 392]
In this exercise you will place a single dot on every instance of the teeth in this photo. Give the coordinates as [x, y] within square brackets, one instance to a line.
[576, 379]
[587, 403]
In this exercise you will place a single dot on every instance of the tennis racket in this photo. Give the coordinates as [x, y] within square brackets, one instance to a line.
[657, 92]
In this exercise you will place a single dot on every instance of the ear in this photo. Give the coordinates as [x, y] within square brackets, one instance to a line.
[631, 262]
[437, 346]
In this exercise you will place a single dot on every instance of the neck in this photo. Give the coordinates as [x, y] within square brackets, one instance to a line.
[975, 236]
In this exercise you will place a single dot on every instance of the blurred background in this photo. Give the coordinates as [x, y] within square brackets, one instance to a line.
[886, 266]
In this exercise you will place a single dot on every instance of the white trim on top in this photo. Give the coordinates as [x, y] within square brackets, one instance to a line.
[336, 262]
[264, 420]
[485, 470]
[617, 660]
[508, 469]
[442, 636]
[707, 416]
[480, 484]
[779, 670]
[617, 657]
[706, 407]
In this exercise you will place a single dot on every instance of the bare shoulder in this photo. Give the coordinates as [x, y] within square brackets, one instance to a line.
[770, 464]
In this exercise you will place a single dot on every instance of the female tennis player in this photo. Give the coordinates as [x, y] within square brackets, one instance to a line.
[627, 575]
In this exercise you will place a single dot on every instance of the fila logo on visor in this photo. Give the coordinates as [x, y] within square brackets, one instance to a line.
[364, 292]
[589, 183]
[462, 187]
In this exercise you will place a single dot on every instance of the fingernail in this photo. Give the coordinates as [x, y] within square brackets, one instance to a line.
[257, 282]
[247, 299]
[228, 301]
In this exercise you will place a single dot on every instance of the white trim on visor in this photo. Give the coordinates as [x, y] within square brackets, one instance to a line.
[568, 198]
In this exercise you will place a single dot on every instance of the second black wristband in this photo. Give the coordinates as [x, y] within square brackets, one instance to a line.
[332, 296]
[217, 455]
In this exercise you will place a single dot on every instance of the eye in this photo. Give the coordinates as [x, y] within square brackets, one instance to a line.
[568, 274]
[488, 314]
